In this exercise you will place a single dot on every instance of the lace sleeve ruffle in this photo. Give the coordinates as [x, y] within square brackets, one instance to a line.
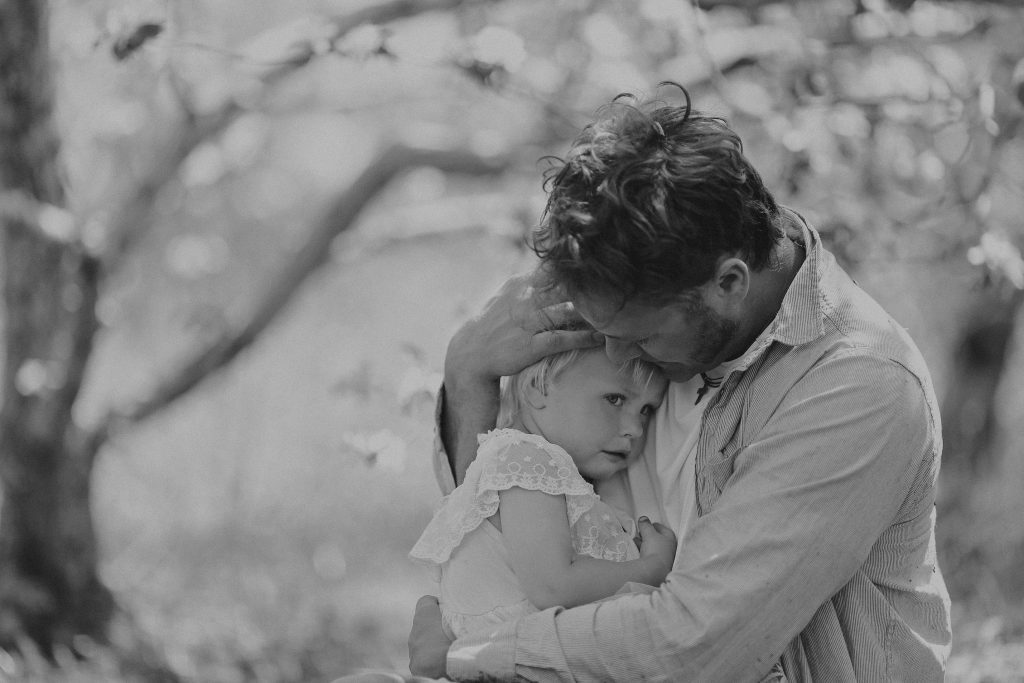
[513, 458]
[505, 459]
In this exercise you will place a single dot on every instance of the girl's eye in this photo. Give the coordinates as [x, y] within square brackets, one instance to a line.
[615, 399]
[647, 410]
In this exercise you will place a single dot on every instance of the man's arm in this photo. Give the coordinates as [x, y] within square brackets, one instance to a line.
[516, 328]
[428, 644]
[804, 506]
[469, 407]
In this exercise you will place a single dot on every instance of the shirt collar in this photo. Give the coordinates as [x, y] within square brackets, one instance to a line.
[799, 318]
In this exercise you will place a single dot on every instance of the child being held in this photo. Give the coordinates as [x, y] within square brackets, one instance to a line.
[525, 531]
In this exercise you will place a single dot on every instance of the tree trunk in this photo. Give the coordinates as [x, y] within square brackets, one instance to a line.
[49, 588]
[969, 415]
[969, 406]
[971, 446]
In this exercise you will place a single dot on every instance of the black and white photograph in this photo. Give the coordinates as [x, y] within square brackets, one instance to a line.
[597, 341]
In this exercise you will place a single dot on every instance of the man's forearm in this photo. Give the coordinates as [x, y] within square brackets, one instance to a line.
[468, 408]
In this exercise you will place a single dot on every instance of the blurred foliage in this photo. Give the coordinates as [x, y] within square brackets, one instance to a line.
[895, 131]
[258, 531]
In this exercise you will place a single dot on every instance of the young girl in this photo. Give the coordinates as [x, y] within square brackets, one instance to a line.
[525, 530]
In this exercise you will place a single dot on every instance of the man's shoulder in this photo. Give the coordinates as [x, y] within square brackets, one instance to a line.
[859, 347]
[856, 324]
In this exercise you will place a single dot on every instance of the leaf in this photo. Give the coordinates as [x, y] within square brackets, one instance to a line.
[1000, 257]
[127, 44]
[382, 448]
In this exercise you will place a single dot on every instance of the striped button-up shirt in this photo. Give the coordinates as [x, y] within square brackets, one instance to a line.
[816, 469]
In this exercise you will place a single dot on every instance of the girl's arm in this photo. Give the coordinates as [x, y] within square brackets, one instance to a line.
[536, 534]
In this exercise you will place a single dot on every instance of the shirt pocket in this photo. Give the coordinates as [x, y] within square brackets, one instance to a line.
[713, 475]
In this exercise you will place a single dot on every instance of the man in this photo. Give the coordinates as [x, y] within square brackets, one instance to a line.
[795, 457]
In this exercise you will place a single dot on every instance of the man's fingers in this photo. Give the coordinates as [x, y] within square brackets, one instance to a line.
[544, 287]
[561, 315]
[556, 341]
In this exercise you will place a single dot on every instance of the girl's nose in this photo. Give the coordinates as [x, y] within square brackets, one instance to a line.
[631, 425]
[619, 351]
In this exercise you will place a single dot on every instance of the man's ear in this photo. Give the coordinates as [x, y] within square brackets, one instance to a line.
[534, 396]
[732, 281]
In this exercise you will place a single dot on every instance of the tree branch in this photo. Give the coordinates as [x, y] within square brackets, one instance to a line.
[294, 45]
[716, 52]
[134, 216]
[754, 4]
[48, 223]
[294, 49]
[339, 217]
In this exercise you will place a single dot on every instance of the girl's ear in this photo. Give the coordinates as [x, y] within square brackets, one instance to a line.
[534, 396]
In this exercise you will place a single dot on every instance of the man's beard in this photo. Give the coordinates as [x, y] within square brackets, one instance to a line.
[714, 333]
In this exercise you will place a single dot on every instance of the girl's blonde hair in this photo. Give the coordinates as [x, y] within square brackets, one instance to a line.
[544, 372]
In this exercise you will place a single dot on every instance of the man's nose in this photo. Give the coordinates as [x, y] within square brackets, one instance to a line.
[620, 351]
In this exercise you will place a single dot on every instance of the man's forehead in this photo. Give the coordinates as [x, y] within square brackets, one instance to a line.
[615, 315]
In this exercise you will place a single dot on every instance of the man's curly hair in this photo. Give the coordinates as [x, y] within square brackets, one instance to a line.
[646, 201]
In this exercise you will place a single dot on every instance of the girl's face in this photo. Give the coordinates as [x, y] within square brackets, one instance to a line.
[596, 412]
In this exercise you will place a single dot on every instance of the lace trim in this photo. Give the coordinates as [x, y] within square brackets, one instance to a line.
[600, 534]
[507, 466]
[505, 458]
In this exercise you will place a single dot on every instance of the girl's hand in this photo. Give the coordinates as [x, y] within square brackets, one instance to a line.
[657, 545]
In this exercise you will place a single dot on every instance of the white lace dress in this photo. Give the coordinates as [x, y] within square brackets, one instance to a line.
[478, 588]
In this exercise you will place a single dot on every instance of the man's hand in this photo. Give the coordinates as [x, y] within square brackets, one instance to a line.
[522, 323]
[525, 321]
[428, 644]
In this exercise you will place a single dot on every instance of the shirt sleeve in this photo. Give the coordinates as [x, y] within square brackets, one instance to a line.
[807, 500]
[442, 469]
